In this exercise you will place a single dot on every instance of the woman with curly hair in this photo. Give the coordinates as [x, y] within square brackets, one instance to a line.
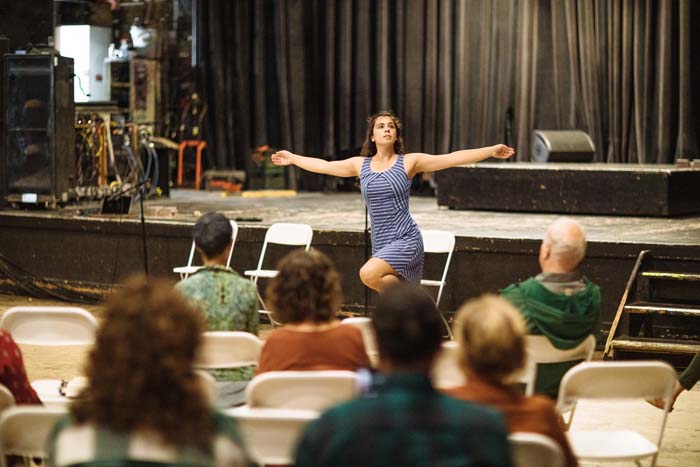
[385, 173]
[305, 296]
[144, 402]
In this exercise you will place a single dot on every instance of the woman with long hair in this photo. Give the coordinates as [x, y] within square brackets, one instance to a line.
[144, 402]
[385, 173]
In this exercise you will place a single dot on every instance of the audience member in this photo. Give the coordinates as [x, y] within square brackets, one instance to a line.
[685, 382]
[491, 336]
[227, 301]
[13, 376]
[305, 296]
[559, 302]
[144, 402]
[405, 421]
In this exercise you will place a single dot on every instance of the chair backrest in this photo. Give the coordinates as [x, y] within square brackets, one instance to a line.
[50, 325]
[526, 376]
[529, 449]
[309, 390]
[229, 349]
[543, 351]
[619, 380]
[24, 430]
[6, 398]
[271, 435]
[286, 234]
[439, 241]
[369, 337]
[446, 371]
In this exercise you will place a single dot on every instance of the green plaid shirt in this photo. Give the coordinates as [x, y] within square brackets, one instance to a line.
[405, 422]
[229, 303]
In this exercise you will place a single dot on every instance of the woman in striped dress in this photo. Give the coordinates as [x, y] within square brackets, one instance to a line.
[385, 173]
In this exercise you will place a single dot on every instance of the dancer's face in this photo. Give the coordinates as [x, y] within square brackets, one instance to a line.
[384, 131]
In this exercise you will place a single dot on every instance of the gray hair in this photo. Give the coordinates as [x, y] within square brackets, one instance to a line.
[567, 240]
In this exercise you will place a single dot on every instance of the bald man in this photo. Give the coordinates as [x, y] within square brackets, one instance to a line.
[559, 302]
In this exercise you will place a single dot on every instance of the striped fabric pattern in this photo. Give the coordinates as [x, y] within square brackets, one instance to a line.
[396, 238]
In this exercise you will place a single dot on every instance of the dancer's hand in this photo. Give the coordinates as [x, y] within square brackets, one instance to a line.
[501, 151]
[282, 158]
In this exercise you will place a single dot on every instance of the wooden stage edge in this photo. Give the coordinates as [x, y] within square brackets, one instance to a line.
[79, 247]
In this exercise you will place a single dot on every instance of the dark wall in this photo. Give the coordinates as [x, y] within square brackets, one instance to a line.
[26, 21]
[101, 253]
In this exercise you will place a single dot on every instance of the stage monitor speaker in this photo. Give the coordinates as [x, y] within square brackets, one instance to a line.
[40, 130]
[562, 146]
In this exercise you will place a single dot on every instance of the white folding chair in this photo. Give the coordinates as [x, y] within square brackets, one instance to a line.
[271, 435]
[304, 390]
[185, 271]
[640, 380]
[534, 449]
[50, 325]
[279, 234]
[447, 372]
[439, 241]
[6, 398]
[542, 351]
[24, 430]
[228, 349]
[369, 337]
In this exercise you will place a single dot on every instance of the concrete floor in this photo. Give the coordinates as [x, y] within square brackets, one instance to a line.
[680, 447]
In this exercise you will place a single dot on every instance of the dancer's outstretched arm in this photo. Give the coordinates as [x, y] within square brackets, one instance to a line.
[420, 162]
[346, 168]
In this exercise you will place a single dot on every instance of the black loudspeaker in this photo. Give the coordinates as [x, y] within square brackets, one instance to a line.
[562, 146]
[39, 162]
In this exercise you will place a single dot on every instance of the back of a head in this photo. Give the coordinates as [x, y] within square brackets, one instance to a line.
[567, 241]
[491, 336]
[306, 288]
[212, 234]
[140, 370]
[407, 324]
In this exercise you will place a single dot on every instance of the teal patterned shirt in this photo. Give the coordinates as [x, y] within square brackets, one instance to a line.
[228, 302]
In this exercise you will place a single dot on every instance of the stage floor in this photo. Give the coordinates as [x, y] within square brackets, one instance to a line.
[345, 212]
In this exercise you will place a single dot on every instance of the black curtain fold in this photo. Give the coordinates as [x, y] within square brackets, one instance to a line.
[305, 74]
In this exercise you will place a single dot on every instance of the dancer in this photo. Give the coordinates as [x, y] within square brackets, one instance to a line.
[385, 180]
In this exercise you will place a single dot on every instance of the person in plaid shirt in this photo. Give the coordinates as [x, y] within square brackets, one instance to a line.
[403, 420]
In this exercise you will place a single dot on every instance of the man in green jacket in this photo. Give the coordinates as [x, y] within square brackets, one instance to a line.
[559, 302]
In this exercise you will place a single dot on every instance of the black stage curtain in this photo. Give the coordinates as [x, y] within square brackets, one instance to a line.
[305, 74]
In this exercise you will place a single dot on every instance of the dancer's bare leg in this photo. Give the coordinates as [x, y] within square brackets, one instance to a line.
[377, 274]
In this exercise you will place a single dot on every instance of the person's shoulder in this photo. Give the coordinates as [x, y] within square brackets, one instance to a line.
[469, 413]
[540, 403]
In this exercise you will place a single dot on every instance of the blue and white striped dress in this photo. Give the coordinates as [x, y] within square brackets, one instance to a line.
[395, 235]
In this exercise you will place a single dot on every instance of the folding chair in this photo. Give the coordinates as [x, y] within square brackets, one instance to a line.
[447, 372]
[305, 390]
[281, 404]
[640, 380]
[271, 435]
[185, 271]
[50, 326]
[543, 352]
[228, 349]
[6, 398]
[530, 449]
[24, 430]
[280, 234]
[369, 338]
[439, 241]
